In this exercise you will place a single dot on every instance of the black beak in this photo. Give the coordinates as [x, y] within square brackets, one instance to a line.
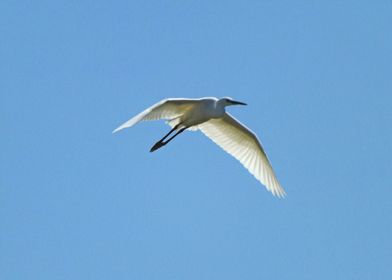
[238, 103]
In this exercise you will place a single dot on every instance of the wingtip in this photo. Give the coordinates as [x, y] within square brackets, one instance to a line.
[279, 193]
[117, 129]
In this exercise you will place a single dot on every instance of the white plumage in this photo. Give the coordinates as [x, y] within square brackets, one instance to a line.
[209, 116]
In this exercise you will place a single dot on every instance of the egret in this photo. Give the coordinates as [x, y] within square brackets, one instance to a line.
[210, 117]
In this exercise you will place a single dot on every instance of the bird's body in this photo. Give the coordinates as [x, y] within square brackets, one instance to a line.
[209, 115]
[201, 111]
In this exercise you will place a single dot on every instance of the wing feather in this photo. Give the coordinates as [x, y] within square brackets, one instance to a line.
[240, 142]
[168, 109]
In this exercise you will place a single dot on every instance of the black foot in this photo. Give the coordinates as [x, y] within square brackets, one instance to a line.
[157, 146]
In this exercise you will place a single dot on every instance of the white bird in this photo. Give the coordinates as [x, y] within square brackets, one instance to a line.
[209, 115]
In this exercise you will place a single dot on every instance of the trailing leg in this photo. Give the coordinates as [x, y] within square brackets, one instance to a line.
[162, 143]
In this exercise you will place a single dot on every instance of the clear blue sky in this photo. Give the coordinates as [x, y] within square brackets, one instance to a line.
[77, 202]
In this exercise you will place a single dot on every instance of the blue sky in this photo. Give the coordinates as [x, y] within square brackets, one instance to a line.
[77, 202]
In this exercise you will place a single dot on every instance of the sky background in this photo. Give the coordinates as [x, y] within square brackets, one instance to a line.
[77, 202]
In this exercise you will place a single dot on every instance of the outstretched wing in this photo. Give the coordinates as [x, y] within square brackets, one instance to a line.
[243, 144]
[166, 109]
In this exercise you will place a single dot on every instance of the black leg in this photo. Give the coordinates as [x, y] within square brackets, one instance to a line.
[170, 132]
[161, 142]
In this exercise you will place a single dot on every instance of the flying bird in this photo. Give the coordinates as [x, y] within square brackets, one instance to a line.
[210, 117]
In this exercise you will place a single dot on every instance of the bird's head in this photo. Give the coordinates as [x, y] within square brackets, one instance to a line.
[228, 101]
